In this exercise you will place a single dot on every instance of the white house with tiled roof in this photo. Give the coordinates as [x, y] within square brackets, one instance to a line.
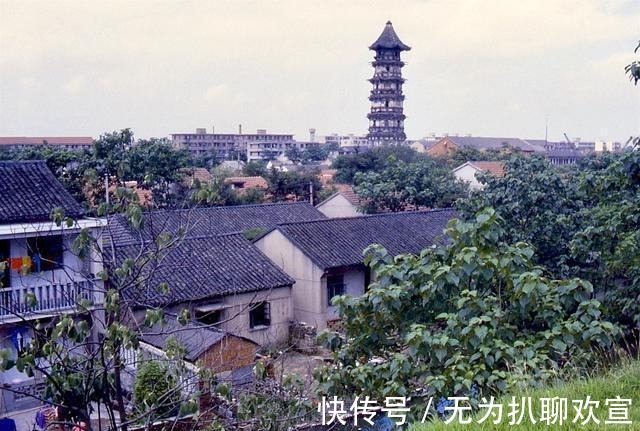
[325, 257]
[468, 171]
[344, 203]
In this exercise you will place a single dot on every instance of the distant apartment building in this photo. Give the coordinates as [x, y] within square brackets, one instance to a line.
[601, 146]
[73, 143]
[349, 140]
[256, 146]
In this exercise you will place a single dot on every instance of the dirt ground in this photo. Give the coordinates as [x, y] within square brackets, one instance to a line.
[294, 362]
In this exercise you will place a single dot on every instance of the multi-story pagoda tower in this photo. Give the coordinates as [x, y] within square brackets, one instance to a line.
[386, 119]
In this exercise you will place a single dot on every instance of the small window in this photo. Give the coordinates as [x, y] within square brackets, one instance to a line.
[260, 315]
[46, 253]
[335, 287]
[213, 317]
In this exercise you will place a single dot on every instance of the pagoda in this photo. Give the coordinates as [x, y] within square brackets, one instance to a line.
[386, 119]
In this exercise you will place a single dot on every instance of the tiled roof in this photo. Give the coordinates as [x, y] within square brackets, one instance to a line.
[199, 268]
[494, 167]
[248, 182]
[194, 337]
[485, 143]
[201, 174]
[388, 39]
[50, 140]
[349, 194]
[29, 192]
[198, 222]
[341, 241]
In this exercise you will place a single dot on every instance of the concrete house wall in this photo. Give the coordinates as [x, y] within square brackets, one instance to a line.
[235, 315]
[307, 292]
[338, 206]
[310, 302]
[353, 285]
[467, 173]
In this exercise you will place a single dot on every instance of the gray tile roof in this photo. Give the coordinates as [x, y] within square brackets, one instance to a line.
[485, 143]
[341, 241]
[198, 222]
[29, 191]
[388, 39]
[194, 337]
[198, 268]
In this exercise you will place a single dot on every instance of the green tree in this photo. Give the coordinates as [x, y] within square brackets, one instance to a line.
[255, 169]
[284, 185]
[474, 316]
[402, 186]
[156, 391]
[633, 68]
[314, 153]
[464, 154]
[606, 246]
[374, 159]
[539, 205]
[294, 154]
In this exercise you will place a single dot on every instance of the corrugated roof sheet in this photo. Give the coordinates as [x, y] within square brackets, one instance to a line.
[194, 337]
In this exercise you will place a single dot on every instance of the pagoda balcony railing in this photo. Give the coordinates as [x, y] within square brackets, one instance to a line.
[25, 301]
[380, 94]
[386, 110]
[387, 77]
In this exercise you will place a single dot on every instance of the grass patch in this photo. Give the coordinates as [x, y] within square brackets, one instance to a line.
[624, 381]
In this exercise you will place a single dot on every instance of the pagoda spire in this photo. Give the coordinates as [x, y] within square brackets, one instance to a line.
[386, 119]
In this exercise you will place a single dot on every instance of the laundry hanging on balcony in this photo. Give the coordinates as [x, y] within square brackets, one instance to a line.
[17, 263]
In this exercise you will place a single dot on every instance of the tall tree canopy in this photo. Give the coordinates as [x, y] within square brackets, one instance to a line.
[401, 186]
[458, 319]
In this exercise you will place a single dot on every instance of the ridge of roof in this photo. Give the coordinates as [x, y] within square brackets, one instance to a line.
[364, 216]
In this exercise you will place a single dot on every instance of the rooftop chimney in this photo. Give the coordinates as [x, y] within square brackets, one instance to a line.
[239, 129]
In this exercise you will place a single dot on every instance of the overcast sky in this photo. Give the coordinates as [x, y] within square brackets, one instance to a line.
[488, 68]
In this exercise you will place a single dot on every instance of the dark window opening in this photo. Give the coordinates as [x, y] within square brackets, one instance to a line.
[46, 253]
[213, 317]
[5, 277]
[335, 287]
[260, 315]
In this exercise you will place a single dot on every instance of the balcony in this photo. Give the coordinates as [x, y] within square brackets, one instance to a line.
[16, 302]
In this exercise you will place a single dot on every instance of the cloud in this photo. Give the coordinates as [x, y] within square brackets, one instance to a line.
[287, 66]
[75, 85]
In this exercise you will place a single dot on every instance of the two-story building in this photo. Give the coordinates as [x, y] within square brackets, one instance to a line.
[43, 276]
[325, 257]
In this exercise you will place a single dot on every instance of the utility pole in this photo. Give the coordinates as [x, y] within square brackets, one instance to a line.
[311, 192]
[106, 188]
